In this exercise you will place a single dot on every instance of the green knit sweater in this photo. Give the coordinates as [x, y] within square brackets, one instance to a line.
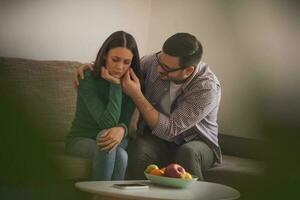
[100, 105]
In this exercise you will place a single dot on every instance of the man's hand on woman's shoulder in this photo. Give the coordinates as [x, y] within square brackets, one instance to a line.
[79, 73]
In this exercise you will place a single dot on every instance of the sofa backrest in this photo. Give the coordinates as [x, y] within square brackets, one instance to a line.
[46, 89]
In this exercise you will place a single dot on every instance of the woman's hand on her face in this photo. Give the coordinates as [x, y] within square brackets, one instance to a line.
[79, 73]
[106, 75]
[111, 138]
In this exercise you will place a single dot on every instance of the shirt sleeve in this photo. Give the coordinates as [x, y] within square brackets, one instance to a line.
[105, 114]
[197, 104]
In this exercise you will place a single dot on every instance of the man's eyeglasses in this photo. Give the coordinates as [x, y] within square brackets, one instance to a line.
[165, 67]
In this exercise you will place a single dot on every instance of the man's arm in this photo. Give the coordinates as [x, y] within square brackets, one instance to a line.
[133, 89]
[197, 105]
[149, 113]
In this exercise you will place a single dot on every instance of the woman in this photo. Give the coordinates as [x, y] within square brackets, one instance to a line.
[103, 112]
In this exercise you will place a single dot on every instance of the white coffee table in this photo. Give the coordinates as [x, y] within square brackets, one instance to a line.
[199, 190]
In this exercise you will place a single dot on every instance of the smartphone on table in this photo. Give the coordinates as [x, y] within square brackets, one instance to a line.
[129, 186]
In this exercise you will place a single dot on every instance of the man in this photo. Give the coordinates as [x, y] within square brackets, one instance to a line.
[178, 108]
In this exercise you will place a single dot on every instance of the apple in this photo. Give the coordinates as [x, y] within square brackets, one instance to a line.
[151, 167]
[175, 171]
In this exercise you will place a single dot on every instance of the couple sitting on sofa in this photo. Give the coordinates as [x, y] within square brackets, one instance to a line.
[176, 94]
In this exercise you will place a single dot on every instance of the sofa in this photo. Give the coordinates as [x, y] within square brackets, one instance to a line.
[47, 89]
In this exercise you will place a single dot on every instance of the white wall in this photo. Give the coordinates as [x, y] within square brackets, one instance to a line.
[68, 29]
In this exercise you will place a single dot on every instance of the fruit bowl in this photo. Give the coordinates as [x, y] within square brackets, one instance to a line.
[170, 182]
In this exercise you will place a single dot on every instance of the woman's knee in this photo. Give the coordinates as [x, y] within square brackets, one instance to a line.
[121, 155]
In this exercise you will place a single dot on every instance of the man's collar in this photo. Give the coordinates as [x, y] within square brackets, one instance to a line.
[189, 79]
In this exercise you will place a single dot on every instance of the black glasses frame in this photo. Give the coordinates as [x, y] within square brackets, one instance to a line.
[165, 67]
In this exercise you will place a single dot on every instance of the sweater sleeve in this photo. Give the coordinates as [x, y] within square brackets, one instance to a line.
[126, 115]
[106, 115]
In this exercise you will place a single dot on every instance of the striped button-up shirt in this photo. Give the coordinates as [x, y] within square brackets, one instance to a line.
[194, 109]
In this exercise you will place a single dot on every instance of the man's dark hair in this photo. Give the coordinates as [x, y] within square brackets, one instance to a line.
[186, 47]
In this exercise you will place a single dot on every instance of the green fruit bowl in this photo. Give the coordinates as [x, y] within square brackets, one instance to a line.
[170, 182]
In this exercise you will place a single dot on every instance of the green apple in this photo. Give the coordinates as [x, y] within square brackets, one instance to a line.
[151, 167]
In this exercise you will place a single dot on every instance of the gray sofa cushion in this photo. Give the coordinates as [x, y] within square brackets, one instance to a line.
[235, 171]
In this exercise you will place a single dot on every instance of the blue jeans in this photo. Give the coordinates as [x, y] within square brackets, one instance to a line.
[105, 165]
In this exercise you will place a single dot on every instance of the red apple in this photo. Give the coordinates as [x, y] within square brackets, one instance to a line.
[175, 171]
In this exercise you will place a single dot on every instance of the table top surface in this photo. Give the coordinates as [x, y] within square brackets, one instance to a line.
[197, 191]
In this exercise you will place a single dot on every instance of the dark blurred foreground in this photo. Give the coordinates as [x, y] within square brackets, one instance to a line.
[27, 170]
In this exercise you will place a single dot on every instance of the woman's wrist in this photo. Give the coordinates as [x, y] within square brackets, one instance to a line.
[121, 125]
